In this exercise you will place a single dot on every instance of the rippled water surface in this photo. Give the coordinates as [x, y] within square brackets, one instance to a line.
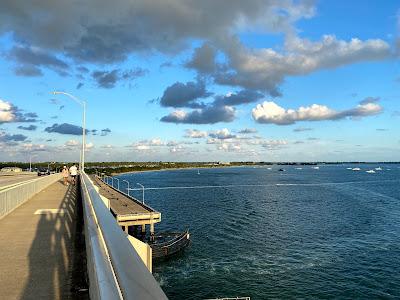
[306, 233]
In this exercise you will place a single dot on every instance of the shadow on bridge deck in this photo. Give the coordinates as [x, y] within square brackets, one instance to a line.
[43, 252]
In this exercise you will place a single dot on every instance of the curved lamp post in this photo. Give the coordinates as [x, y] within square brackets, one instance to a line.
[83, 104]
[127, 182]
[143, 191]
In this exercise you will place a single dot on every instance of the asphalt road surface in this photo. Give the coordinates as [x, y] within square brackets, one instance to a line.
[10, 179]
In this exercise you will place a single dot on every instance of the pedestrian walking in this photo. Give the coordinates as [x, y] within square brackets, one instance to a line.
[65, 175]
[73, 170]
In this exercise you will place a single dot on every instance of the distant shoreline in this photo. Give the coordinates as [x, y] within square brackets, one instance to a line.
[246, 165]
[173, 169]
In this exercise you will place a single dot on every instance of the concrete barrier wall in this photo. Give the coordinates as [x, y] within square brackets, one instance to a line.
[14, 196]
[115, 269]
[144, 250]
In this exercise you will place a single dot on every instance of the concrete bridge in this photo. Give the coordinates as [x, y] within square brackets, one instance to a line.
[63, 242]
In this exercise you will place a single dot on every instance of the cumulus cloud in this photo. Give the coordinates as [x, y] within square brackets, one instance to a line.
[30, 127]
[210, 114]
[220, 109]
[107, 32]
[89, 146]
[222, 134]
[229, 147]
[65, 128]
[203, 59]
[265, 68]
[370, 100]
[271, 113]
[301, 129]
[10, 113]
[108, 79]
[184, 94]
[105, 131]
[241, 97]
[5, 137]
[156, 145]
[195, 133]
[71, 143]
[31, 59]
[29, 147]
[247, 131]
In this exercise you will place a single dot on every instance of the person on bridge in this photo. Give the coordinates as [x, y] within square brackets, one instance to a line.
[65, 175]
[73, 170]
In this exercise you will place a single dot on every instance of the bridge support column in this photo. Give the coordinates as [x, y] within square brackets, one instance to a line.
[152, 231]
[143, 229]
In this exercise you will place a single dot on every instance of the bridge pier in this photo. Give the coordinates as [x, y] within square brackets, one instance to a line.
[152, 231]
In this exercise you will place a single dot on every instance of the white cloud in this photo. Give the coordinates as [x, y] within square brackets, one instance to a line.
[89, 146]
[71, 143]
[272, 113]
[230, 147]
[195, 133]
[6, 112]
[265, 69]
[222, 134]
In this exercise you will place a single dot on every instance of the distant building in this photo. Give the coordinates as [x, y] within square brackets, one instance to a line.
[11, 169]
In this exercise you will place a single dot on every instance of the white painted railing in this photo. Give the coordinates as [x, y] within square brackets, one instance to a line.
[17, 194]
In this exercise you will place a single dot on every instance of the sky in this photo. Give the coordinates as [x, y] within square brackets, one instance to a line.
[175, 80]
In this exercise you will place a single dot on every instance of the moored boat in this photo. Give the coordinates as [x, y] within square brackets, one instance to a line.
[167, 244]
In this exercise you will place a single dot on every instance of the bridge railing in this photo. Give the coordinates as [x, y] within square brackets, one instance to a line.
[115, 270]
[17, 194]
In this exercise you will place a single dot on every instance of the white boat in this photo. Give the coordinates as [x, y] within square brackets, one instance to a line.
[315, 168]
[370, 171]
[349, 168]
[356, 169]
[378, 169]
[269, 168]
[299, 168]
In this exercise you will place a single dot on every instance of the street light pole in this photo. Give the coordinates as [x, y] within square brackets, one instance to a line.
[143, 192]
[117, 183]
[83, 104]
[128, 185]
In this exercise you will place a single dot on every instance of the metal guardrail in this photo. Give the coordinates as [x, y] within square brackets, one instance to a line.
[115, 270]
[126, 194]
[16, 194]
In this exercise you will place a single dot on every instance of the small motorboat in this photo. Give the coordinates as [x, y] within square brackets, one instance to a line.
[315, 168]
[167, 244]
[370, 171]
[356, 169]
[281, 170]
[378, 169]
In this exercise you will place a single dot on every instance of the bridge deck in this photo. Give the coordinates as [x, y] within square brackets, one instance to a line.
[39, 256]
[128, 211]
[8, 179]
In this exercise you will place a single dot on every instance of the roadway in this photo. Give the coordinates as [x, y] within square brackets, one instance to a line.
[15, 178]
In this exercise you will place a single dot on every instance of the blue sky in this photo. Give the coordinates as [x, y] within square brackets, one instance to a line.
[201, 80]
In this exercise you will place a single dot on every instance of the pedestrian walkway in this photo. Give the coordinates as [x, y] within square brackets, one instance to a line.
[39, 255]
